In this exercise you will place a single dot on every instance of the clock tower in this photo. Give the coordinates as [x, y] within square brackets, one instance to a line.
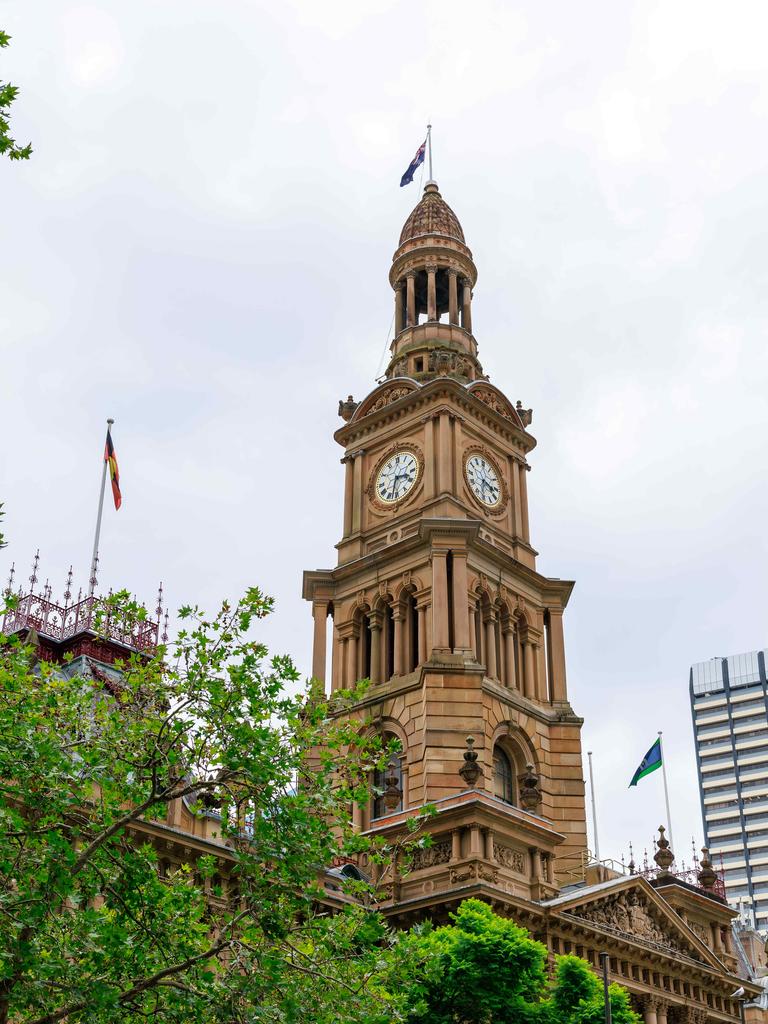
[437, 600]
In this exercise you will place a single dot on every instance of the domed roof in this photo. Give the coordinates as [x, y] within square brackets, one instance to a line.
[432, 216]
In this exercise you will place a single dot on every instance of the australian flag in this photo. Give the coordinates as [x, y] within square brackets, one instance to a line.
[417, 161]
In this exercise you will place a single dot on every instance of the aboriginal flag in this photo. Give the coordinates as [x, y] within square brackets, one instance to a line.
[114, 473]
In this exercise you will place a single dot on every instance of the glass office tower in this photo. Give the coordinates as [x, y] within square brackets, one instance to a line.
[729, 706]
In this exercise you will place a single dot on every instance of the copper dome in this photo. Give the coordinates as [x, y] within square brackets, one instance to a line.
[432, 216]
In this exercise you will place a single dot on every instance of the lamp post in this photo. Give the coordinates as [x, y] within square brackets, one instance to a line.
[605, 961]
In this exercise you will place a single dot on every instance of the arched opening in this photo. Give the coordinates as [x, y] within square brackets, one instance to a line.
[503, 776]
[411, 631]
[329, 638]
[388, 795]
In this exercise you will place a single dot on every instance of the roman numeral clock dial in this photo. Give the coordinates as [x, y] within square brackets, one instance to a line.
[396, 477]
[483, 480]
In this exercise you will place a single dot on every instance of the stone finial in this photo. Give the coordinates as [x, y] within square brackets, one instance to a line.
[664, 856]
[470, 771]
[393, 793]
[526, 415]
[707, 875]
[347, 408]
[530, 791]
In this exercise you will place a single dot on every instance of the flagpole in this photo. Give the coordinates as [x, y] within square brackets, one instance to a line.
[95, 555]
[594, 808]
[666, 793]
[429, 147]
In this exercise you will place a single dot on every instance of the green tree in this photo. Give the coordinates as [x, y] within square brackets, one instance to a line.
[484, 969]
[8, 94]
[577, 996]
[89, 930]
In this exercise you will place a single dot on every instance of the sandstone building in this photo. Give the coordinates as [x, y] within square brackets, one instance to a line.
[437, 599]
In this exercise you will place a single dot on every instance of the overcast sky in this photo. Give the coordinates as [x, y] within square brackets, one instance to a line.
[199, 247]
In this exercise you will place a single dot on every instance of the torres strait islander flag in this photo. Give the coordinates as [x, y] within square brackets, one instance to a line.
[417, 161]
[114, 473]
[650, 763]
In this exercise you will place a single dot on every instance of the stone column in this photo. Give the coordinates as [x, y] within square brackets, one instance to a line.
[320, 616]
[456, 844]
[431, 291]
[509, 655]
[397, 615]
[557, 655]
[357, 499]
[466, 305]
[541, 673]
[439, 602]
[661, 1012]
[348, 488]
[650, 1005]
[398, 307]
[411, 299]
[352, 661]
[460, 602]
[475, 847]
[491, 666]
[444, 453]
[429, 457]
[473, 626]
[517, 471]
[376, 673]
[524, 501]
[530, 670]
[535, 863]
[453, 297]
[344, 663]
[421, 608]
[357, 816]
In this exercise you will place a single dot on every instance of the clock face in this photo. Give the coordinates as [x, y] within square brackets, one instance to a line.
[396, 477]
[483, 480]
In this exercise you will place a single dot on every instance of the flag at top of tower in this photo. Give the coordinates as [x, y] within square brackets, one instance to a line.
[417, 161]
[650, 763]
[114, 473]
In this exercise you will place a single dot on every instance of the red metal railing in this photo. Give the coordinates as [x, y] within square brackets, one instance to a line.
[88, 615]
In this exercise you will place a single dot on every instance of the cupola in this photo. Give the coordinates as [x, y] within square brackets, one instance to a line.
[433, 275]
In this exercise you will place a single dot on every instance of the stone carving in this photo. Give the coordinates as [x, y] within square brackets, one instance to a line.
[388, 397]
[628, 913]
[493, 401]
[509, 858]
[463, 875]
[441, 361]
[400, 368]
[526, 415]
[470, 771]
[470, 871]
[530, 791]
[430, 856]
[347, 408]
[487, 874]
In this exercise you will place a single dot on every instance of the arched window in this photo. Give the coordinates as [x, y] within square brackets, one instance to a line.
[503, 778]
[388, 784]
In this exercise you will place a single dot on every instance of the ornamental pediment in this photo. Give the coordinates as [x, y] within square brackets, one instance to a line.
[389, 392]
[637, 913]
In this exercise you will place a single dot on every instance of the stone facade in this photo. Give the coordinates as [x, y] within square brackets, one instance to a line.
[437, 600]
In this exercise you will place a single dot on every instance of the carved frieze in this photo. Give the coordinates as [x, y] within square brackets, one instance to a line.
[431, 856]
[630, 914]
[389, 396]
[495, 402]
[509, 858]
